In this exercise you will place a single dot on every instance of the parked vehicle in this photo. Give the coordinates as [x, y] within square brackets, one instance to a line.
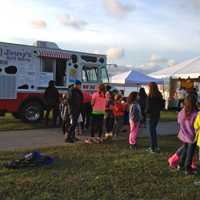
[26, 70]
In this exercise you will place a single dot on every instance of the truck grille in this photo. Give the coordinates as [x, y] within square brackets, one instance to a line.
[8, 87]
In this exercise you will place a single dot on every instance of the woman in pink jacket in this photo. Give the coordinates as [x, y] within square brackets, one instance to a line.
[98, 110]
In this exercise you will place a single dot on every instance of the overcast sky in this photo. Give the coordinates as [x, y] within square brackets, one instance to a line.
[139, 33]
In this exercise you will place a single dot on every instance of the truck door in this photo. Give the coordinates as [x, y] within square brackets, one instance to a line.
[60, 76]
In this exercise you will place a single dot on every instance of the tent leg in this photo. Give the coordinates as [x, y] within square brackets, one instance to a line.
[163, 88]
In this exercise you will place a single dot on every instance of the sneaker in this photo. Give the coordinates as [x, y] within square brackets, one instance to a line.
[179, 168]
[197, 183]
[157, 150]
[189, 172]
[76, 139]
[133, 147]
[69, 140]
[150, 150]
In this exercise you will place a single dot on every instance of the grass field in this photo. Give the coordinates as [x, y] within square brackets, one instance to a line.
[101, 171]
[167, 116]
[10, 123]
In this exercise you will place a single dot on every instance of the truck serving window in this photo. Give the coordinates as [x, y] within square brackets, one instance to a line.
[47, 65]
[89, 74]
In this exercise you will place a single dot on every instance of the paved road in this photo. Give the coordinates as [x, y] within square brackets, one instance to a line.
[11, 140]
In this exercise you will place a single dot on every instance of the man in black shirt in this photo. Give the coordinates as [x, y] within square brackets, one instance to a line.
[75, 106]
[51, 97]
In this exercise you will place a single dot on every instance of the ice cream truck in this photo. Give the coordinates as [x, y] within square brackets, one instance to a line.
[26, 70]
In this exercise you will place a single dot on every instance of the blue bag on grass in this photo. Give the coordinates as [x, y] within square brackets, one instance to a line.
[32, 159]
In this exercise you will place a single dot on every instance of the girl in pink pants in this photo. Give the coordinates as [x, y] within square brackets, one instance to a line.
[134, 128]
[134, 119]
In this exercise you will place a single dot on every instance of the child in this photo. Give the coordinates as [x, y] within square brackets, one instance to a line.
[134, 119]
[64, 114]
[109, 117]
[118, 113]
[186, 118]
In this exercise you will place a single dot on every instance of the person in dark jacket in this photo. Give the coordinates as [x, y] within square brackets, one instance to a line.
[75, 106]
[154, 106]
[51, 97]
[143, 103]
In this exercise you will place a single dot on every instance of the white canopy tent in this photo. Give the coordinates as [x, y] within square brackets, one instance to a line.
[184, 70]
[134, 78]
[186, 73]
[131, 80]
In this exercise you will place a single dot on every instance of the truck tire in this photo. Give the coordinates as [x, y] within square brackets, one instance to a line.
[16, 115]
[32, 112]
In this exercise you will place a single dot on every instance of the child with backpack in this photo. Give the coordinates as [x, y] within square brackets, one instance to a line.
[134, 119]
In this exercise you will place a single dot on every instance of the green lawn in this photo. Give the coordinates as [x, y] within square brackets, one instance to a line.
[106, 172]
[10, 123]
[167, 116]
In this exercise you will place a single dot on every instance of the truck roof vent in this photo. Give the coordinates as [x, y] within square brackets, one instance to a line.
[45, 44]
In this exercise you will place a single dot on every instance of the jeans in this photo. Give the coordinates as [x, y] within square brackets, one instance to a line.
[143, 121]
[186, 156]
[118, 124]
[55, 110]
[97, 124]
[153, 122]
[86, 112]
[109, 121]
[74, 118]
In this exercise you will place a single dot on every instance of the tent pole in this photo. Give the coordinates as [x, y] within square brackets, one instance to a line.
[124, 89]
[163, 87]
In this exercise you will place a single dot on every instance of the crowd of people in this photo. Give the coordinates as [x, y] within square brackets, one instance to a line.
[105, 113]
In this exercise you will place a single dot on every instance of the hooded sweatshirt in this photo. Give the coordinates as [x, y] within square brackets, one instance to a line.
[186, 131]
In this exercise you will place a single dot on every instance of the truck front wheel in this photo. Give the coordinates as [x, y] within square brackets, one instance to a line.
[16, 115]
[32, 112]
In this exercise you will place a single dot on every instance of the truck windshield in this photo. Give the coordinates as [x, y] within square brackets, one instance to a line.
[104, 75]
[89, 74]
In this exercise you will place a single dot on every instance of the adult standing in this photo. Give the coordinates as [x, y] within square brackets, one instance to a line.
[51, 97]
[98, 110]
[155, 104]
[143, 103]
[75, 106]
